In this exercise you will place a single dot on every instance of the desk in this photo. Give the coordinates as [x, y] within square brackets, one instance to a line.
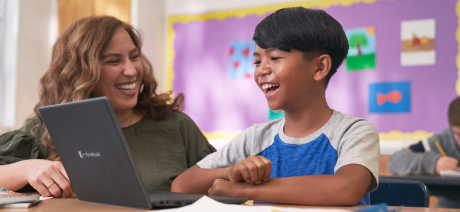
[438, 186]
[73, 204]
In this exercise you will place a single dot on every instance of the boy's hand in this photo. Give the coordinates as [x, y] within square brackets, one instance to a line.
[223, 187]
[253, 169]
[446, 163]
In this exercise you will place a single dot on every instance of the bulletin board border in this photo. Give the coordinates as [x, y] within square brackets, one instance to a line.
[262, 10]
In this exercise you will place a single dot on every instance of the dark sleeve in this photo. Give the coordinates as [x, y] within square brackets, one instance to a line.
[20, 144]
[196, 145]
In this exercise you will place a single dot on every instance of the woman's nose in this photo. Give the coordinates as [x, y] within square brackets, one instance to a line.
[130, 69]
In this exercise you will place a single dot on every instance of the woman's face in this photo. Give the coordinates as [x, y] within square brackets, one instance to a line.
[122, 70]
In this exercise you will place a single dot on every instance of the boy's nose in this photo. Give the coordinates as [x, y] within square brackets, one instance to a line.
[263, 70]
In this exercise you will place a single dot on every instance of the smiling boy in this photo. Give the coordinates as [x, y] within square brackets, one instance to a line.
[313, 156]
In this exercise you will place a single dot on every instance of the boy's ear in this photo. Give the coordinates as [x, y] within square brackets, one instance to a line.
[324, 63]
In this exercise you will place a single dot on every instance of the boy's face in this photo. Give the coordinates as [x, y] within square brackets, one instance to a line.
[286, 78]
[456, 131]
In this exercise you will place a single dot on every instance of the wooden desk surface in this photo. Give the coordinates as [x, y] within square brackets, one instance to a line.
[73, 204]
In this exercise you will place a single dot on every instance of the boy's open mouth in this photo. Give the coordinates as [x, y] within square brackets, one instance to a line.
[270, 88]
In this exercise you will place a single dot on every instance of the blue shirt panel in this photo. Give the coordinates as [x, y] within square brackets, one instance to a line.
[312, 158]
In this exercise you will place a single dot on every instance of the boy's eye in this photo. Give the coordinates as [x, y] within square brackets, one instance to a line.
[275, 58]
[256, 62]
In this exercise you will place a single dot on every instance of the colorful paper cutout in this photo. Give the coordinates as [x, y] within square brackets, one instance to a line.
[361, 54]
[418, 42]
[241, 59]
[389, 97]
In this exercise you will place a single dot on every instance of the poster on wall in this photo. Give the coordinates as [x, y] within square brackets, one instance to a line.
[418, 42]
[240, 64]
[389, 97]
[361, 53]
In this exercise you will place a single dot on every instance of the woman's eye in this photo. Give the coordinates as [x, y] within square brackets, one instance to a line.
[113, 61]
[134, 56]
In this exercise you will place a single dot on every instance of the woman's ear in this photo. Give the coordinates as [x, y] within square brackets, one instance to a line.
[324, 63]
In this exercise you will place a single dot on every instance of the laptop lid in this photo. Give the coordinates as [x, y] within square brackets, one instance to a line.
[97, 158]
[93, 150]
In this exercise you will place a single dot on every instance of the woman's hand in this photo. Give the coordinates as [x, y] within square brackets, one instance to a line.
[48, 177]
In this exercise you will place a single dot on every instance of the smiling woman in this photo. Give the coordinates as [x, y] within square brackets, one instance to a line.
[122, 71]
[102, 56]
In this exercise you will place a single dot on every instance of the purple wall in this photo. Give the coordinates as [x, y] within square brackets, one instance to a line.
[216, 102]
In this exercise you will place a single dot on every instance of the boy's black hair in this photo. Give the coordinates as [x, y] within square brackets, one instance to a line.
[454, 112]
[311, 31]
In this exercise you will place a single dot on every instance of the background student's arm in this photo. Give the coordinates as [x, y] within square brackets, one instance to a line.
[424, 157]
[406, 161]
[346, 187]
[416, 159]
[38, 173]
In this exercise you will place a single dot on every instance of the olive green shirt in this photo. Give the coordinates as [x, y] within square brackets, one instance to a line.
[161, 149]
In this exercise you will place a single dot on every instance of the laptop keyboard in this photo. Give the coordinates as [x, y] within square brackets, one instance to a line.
[158, 195]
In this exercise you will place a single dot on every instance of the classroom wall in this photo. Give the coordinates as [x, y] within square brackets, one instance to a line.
[37, 31]
[35, 34]
[198, 52]
[189, 7]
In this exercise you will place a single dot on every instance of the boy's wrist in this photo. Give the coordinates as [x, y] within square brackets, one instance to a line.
[225, 173]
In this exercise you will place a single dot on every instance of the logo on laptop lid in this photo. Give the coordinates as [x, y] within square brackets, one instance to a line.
[89, 154]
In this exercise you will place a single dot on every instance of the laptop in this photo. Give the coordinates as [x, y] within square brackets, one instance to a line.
[97, 158]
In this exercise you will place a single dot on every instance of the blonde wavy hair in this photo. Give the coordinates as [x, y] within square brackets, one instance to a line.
[74, 73]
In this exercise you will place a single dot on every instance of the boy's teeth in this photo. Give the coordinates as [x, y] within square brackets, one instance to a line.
[266, 86]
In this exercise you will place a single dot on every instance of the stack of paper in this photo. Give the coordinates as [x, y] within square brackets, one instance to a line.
[206, 204]
[449, 173]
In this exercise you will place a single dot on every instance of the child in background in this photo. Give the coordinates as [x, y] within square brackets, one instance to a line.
[426, 158]
[313, 156]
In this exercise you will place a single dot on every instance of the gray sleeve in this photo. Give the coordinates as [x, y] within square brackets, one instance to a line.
[250, 142]
[405, 162]
[421, 158]
[360, 145]
[231, 153]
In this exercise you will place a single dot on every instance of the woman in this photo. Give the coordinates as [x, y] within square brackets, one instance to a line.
[101, 56]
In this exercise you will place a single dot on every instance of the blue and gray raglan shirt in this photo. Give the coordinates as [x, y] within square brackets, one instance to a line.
[343, 140]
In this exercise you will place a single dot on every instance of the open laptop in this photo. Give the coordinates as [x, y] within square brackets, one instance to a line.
[97, 158]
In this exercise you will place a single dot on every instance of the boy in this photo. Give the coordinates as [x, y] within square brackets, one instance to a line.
[313, 156]
[425, 158]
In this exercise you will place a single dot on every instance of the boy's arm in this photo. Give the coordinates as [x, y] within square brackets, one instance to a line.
[346, 187]
[254, 169]
[197, 180]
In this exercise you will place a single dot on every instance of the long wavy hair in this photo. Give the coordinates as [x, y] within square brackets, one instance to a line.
[74, 73]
